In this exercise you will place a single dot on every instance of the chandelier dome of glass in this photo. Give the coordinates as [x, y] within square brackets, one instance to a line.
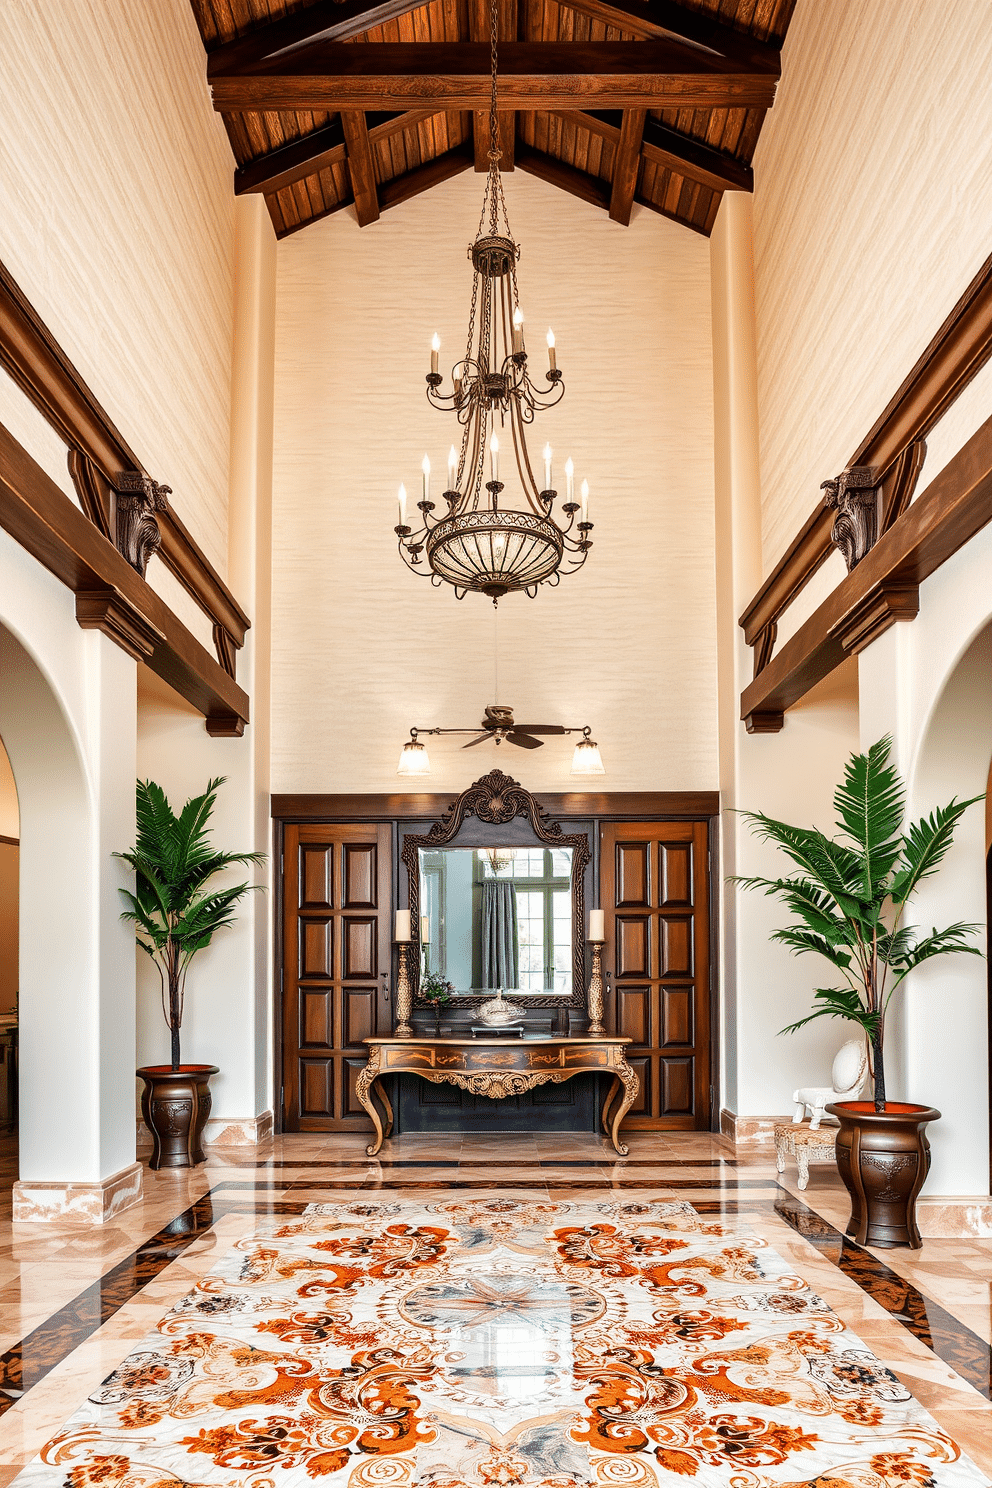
[477, 543]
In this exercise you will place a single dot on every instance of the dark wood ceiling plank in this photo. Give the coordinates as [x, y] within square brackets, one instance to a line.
[557, 173]
[657, 18]
[326, 20]
[533, 75]
[304, 157]
[361, 167]
[441, 168]
[677, 152]
[626, 165]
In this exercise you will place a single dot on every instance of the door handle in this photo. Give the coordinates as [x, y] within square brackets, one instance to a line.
[385, 987]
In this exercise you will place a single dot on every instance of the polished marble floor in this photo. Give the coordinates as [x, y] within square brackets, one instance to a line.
[74, 1300]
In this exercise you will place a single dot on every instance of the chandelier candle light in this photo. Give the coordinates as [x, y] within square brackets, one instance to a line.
[477, 544]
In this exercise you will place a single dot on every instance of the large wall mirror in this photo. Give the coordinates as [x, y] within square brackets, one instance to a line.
[496, 897]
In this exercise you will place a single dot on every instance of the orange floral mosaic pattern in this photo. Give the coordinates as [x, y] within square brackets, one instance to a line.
[491, 1343]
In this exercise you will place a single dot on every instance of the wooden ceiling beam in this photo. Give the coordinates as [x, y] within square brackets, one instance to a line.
[325, 20]
[576, 182]
[677, 152]
[659, 18]
[361, 167]
[323, 147]
[627, 164]
[456, 76]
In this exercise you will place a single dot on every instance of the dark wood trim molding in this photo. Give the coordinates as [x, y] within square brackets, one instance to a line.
[893, 447]
[110, 595]
[667, 147]
[110, 479]
[884, 587]
[605, 805]
[9, 841]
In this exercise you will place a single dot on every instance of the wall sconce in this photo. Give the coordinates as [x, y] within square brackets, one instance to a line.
[414, 759]
[586, 759]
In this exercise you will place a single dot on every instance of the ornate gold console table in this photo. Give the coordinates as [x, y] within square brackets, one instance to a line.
[498, 1067]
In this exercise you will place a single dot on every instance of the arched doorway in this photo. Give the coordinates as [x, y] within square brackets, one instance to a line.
[947, 1014]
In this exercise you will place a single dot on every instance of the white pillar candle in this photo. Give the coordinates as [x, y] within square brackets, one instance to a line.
[402, 929]
[435, 348]
[597, 925]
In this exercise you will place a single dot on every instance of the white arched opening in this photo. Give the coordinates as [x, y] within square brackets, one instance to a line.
[945, 1023]
[70, 742]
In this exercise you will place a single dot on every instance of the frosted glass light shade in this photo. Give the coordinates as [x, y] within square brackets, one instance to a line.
[587, 759]
[414, 759]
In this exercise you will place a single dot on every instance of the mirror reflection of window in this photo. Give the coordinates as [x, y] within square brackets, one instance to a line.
[498, 917]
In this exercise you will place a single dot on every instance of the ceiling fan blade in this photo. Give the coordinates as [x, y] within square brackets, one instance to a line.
[541, 728]
[479, 739]
[524, 741]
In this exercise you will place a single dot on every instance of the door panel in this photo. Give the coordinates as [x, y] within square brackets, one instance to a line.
[336, 934]
[660, 941]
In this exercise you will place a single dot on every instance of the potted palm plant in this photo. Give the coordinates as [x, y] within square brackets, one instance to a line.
[176, 912]
[849, 898]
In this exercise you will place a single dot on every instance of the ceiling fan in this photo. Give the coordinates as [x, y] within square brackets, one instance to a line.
[497, 724]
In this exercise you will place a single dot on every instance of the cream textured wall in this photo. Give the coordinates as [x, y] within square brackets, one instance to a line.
[362, 649]
[116, 215]
[872, 210]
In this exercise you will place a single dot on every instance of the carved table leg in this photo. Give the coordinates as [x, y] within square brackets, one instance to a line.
[387, 1105]
[802, 1163]
[611, 1095]
[363, 1090]
[631, 1090]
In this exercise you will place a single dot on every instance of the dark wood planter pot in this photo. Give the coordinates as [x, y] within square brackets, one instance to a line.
[175, 1105]
[884, 1158]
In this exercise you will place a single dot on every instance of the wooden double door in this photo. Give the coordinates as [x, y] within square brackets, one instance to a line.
[336, 974]
[654, 885]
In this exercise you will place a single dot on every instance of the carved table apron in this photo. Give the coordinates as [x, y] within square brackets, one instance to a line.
[498, 1068]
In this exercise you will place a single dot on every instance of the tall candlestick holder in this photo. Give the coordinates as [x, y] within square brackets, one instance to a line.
[594, 1001]
[404, 993]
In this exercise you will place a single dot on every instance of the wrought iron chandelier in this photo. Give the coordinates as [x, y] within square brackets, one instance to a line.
[476, 543]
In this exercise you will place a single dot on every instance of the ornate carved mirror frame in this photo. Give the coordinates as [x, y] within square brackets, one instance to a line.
[496, 799]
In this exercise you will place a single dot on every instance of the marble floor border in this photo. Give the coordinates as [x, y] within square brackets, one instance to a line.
[33, 1357]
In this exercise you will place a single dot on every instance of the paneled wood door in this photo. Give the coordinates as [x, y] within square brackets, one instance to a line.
[654, 882]
[336, 968]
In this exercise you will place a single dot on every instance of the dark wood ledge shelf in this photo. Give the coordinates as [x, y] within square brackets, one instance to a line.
[421, 806]
[883, 588]
[110, 595]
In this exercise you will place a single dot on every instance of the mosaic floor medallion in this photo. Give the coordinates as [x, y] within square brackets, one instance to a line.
[491, 1343]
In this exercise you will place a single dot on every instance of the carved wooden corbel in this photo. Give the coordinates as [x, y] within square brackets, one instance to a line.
[854, 497]
[138, 535]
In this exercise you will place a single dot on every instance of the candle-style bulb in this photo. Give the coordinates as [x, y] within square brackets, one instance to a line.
[494, 458]
[585, 500]
[402, 506]
[426, 468]
[547, 467]
[552, 354]
[452, 467]
[569, 479]
[435, 348]
[518, 329]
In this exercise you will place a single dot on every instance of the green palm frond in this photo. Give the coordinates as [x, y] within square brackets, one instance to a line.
[801, 941]
[925, 846]
[869, 803]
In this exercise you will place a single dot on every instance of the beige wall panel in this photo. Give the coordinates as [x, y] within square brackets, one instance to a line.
[363, 649]
[116, 215]
[872, 211]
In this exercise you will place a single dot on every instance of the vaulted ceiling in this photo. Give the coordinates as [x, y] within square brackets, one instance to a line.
[336, 103]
